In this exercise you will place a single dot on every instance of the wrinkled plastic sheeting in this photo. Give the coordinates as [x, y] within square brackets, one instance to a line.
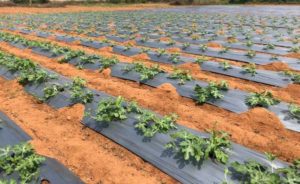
[166, 58]
[233, 100]
[62, 99]
[153, 150]
[44, 52]
[91, 66]
[42, 34]
[260, 59]
[116, 38]
[282, 112]
[262, 76]
[18, 45]
[127, 52]
[65, 38]
[7, 74]
[10, 133]
[93, 44]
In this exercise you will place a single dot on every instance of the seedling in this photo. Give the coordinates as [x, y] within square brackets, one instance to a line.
[203, 47]
[294, 110]
[250, 68]
[249, 43]
[224, 50]
[211, 92]
[175, 57]
[251, 54]
[295, 49]
[263, 99]
[149, 124]
[146, 73]
[254, 172]
[160, 52]
[225, 65]
[295, 76]
[107, 62]
[181, 75]
[71, 55]
[111, 110]
[200, 60]
[52, 90]
[185, 46]
[269, 46]
[79, 93]
[197, 148]
[21, 159]
[34, 76]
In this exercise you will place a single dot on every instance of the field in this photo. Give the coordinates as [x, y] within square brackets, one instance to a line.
[152, 94]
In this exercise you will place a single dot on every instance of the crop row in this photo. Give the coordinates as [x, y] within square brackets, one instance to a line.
[152, 135]
[217, 94]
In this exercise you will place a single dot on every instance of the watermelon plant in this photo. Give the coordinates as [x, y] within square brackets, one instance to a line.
[146, 73]
[79, 93]
[203, 47]
[71, 55]
[160, 52]
[107, 62]
[269, 46]
[225, 65]
[224, 50]
[150, 124]
[210, 92]
[21, 159]
[263, 99]
[51, 91]
[294, 110]
[200, 60]
[182, 75]
[295, 76]
[185, 45]
[175, 57]
[253, 172]
[111, 110]
[251, 54]
[195, 148]
[34, 76]
[87, 59]
[250, 68]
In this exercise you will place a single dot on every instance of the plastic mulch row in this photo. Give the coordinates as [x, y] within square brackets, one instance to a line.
[153, 150]
[234, 100]
[262, 76]
[51, 170]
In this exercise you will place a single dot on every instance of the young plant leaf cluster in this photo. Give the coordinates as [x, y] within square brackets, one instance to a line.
[182, 75]
[294, 110]
[79, 92]
[210, 92]
[193, 147]
[253, 172]
[146, 73]
[150, 124]
[20, 159]
[263, 99]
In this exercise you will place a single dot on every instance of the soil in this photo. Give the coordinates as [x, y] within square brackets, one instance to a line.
[258, 129]
[96, 159]
[288, 94]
